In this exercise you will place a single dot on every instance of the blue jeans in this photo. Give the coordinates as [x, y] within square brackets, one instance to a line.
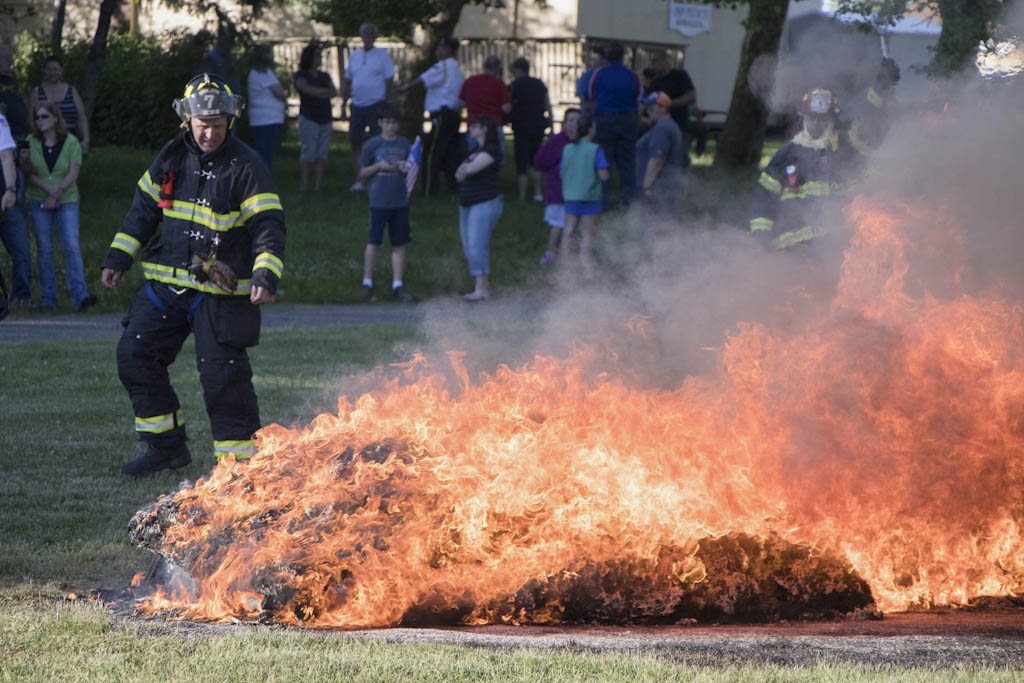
[616, 133]
[476, 223]
[264, 141]
[65, 217]
[15, 238]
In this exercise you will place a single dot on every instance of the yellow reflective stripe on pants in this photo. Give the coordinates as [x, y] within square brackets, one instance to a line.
[240, 449]
[760, 224]
[158, 424]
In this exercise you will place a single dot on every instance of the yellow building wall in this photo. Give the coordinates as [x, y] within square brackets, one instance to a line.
[711, 57]
[556, 19]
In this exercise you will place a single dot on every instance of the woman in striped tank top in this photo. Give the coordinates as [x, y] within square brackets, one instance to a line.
[54, 89]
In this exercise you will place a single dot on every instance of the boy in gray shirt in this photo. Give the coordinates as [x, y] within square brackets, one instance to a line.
[660, 157]
[382, 169]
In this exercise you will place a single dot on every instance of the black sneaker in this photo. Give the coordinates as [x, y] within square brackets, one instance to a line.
[154, 460]
[368, 296]
[402, 296]
[87, 302]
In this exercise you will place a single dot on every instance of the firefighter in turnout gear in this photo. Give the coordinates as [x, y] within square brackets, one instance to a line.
[870, 112]
[795, 196]
[207, 226]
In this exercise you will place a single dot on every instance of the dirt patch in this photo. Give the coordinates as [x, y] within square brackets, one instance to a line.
[935, 639]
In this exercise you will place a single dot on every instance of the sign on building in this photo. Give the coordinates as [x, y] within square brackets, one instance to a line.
[689, 19]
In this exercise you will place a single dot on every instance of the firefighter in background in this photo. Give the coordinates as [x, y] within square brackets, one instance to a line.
[794, 199]
[870, 113]
[208, 227]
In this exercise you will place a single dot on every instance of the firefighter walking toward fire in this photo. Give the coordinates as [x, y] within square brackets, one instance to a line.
[794, 200]
[208, 227]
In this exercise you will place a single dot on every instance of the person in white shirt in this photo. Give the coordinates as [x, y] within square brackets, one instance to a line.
[443, 82]
[266, 103]
[13, 232]
[369, 78]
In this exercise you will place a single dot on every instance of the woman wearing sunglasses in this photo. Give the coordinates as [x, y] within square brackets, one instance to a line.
[55, 159]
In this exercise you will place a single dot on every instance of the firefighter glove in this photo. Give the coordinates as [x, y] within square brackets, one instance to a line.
[219, 273]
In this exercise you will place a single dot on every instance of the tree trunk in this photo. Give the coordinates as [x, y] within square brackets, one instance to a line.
[97, 55]
[740, 142]
[441, 27]
[965, 24]
[57, 35]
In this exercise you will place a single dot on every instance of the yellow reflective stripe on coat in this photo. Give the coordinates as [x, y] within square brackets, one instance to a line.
[874, 98]
[126, 243]
[759, 224]
[239, 449]
[856, 141]
[146, 185]
[158, 424]
[809, 189]
[181, 278]
[260, 202]
[190, 211]
[270, 262]
[769, 183]
[795, 237]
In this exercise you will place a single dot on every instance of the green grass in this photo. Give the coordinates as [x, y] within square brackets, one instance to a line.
[85, 646]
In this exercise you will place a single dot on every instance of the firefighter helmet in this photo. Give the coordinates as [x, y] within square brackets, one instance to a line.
[819, 101]
[208, 96]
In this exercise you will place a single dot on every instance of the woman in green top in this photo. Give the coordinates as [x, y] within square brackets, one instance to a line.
[55, 158]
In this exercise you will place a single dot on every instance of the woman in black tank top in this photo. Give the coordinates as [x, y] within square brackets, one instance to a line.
[54, 89]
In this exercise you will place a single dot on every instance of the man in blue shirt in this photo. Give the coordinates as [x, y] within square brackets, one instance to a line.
[615, 91]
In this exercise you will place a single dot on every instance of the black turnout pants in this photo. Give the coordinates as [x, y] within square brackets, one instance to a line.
[158, 322]
[441, 151]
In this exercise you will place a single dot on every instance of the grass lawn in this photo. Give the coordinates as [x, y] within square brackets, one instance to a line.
[67, 428]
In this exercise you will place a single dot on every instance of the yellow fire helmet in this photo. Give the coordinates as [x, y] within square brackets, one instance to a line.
[820, 101]
[208, 96]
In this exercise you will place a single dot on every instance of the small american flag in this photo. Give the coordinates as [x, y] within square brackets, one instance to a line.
[412, 165]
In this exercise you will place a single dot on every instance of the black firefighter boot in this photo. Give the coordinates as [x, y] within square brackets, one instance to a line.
[157, 459]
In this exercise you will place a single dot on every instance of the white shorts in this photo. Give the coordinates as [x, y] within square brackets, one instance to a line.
[554, 215]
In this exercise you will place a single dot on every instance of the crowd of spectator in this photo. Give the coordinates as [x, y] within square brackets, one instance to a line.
[41, 148]
[569, 170]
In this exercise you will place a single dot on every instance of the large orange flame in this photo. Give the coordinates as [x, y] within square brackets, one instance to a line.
[887, 430]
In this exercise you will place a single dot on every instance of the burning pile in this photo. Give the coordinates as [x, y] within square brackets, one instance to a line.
[878, 446]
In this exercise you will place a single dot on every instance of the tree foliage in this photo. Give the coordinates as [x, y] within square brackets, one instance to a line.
[399, 18]
[965, 25]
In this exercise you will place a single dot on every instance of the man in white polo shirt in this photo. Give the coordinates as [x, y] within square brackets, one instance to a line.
[443, 82]
[369, 77]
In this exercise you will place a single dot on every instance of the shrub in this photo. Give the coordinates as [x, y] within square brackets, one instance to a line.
[141, 77]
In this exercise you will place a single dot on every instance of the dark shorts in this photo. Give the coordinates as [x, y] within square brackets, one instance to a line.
[526, 144]
[361, 118]
[397, 222]
[583, 208]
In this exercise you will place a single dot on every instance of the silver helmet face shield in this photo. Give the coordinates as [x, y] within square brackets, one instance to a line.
[208, 104]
